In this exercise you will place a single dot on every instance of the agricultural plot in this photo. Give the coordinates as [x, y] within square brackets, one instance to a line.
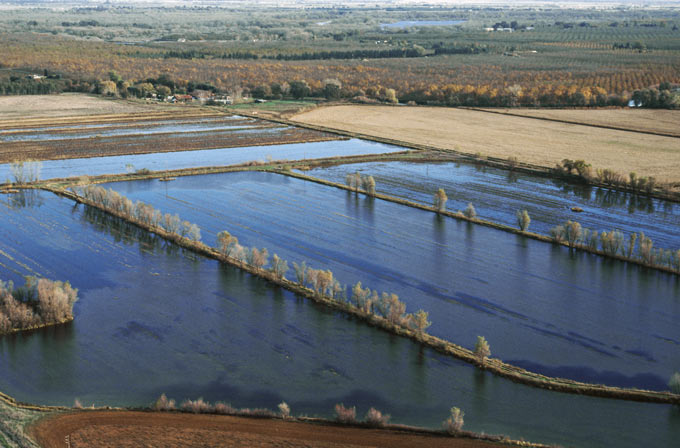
[468, 277]
[532, 141]
[154, 318]
[147, 136]
[498, 195]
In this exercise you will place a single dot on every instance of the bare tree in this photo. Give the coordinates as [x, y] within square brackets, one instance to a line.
[523, 220]
[440, 199]
[482, 350]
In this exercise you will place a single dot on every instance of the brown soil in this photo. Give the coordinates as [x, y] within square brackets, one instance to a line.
[94, 429]
[64, 105]
[536, 142]
[107, 146]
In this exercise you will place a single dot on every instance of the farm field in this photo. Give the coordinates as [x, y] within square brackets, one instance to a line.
[498, 194]
[103, 429]
[226, 214]
[532, 141]
[514, 288]
[144, 135]
[50, 108]
[661, 121]
[154, 318]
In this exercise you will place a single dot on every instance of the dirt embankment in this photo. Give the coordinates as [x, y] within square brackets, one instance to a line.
[93, 429]
[537, 142]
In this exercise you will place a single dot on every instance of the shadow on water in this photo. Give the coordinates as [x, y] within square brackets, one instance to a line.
[25, 199]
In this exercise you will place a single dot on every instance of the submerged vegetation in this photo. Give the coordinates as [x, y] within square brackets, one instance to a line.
[39, 303]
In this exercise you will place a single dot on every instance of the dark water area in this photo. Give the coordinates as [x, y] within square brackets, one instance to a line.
[154, 318]
[564, 313]
[498, 194]
[95, 166]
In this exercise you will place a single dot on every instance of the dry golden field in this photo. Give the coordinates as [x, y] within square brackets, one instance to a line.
[22, 107]
[660, 121]
[532, 141]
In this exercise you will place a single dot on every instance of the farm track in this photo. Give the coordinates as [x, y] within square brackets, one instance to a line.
[495, 366]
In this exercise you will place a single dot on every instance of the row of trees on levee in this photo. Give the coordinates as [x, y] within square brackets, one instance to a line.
[343, 414]
[38, 303]
[322, 282]
[613, 243]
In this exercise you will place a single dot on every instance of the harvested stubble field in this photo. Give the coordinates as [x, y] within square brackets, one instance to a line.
[537, 142]
[660, 121]
[94, 429]
[142, 144]
[23, 107]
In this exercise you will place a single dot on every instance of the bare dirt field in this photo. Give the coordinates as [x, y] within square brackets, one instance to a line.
[65, 105]
[659, 121]
[95, 429]
[532, 141]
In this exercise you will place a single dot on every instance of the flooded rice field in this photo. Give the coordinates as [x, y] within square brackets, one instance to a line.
[498, 194]
[120, 129]
[93, 166]
[155, 319]
[540, 306]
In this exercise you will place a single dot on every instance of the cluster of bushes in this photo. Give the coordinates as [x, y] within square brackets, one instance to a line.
[356, 182]
[38, 303]
[615, 243]
[201, 406]
[139, 211]
[606, 176]
[343, 414]
[439, 204]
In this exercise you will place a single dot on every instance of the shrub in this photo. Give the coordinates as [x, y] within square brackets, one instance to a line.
[376, 418]
[345, 415]
[279, 267]
[300, 272]
[369, 185]
[482, 350]
[284, 409]
[197, 406]
[523, 220]
[421, 322]
[440, 199]
[163, 404]
[674, 383]
[454, 423]
[225, 409]
[470, 211]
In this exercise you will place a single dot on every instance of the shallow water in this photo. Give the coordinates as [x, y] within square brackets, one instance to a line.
[152, 318]
[498, 194]
[94, 166]
[565, 314]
